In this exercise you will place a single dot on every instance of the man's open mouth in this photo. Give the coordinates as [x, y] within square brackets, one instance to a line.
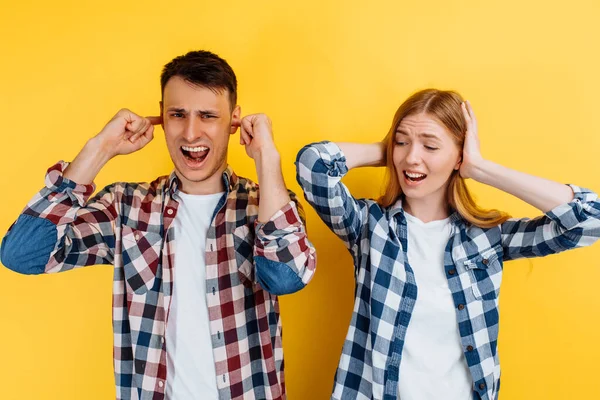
[195, 154]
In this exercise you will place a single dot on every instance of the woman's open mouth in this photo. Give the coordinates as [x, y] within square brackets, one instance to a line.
[414, 177]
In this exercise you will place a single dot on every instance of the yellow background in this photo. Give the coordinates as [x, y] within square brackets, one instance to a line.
[320, 70]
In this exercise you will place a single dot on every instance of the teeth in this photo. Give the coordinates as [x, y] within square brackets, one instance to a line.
[194, 149]
[413, 175]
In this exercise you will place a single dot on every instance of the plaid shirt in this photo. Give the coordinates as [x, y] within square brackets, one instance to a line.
[385, 285]
[131, 226]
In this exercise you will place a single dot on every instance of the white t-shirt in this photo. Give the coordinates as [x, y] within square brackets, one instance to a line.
[190, 360]
[433, 366]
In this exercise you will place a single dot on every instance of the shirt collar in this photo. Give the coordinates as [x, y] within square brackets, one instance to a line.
[397, 210]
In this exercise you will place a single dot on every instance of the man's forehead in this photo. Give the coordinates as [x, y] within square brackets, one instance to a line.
[177, 88]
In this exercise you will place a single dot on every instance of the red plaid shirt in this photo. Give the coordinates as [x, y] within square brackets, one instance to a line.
[130, 226]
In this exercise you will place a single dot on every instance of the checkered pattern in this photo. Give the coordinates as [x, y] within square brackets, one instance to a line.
[130, 226]
[385, 285]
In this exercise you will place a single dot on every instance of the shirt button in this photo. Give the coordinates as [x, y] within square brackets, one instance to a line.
[482, 386]
[469, 348]
[485, 261]
[452, 271]
[461, 306]
[162, 339]
[160, 384]
[137, 237]
[170, 211]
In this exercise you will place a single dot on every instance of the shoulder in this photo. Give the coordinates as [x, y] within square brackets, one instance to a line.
[133, 192]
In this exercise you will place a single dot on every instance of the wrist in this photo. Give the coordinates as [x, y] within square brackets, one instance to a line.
[97, 149]
[381, 154]
[482, 170]
[87, 164]
[267, 156]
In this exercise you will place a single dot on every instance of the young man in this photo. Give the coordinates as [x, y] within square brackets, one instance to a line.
[198, 259]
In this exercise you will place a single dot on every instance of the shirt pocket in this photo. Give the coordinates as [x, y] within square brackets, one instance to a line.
[485, 273]
[141, 253]
[243, 246]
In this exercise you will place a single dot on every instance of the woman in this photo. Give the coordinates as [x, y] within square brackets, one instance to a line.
[428, 260]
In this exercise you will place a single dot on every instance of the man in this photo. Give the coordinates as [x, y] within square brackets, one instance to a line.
[198, 259]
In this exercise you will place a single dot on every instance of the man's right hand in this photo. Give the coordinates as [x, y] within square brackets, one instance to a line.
[126, 133]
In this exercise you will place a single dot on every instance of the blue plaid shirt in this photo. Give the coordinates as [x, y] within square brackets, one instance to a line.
[386, 291]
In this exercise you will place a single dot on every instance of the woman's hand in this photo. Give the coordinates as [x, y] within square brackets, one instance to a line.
[471, 157]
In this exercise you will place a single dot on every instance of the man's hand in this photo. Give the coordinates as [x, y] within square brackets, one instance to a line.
[256, 134]
[126, 133]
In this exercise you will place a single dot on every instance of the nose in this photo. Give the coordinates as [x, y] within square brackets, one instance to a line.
[192, 129]
[414, 155]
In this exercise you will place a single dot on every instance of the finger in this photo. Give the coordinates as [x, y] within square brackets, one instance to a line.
[129, 134]
[148, 135]
[141, 128]
[247, 130]
[471, 113]
[136, 125]
[245, 136]
[155, 120]
[463, 107]
[134, 122]
[134, 137]
[470, 109]
[137, 131]
[247, 125]
[126, 114]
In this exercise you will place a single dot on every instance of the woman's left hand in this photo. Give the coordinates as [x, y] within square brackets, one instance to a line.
[471, 156]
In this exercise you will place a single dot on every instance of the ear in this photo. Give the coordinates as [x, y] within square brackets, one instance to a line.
[236, 120]
[162, 117]
[458, 163]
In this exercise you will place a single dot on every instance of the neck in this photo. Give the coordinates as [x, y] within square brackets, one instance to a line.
[211, 185]
[427, 209]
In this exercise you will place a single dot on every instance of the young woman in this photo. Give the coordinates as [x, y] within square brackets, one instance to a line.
[428, 260]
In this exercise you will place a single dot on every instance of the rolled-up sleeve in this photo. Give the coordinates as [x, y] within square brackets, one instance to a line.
[284, 258]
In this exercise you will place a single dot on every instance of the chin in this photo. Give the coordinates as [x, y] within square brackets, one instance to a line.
[195, 176]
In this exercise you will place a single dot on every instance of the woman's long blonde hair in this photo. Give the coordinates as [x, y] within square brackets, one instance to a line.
[445, 107]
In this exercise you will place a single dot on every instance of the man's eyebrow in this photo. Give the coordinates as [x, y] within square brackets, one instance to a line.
[199, 112]
[206, 112]
[177, 109]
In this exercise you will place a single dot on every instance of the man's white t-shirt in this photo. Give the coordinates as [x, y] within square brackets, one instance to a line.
[190, 361]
